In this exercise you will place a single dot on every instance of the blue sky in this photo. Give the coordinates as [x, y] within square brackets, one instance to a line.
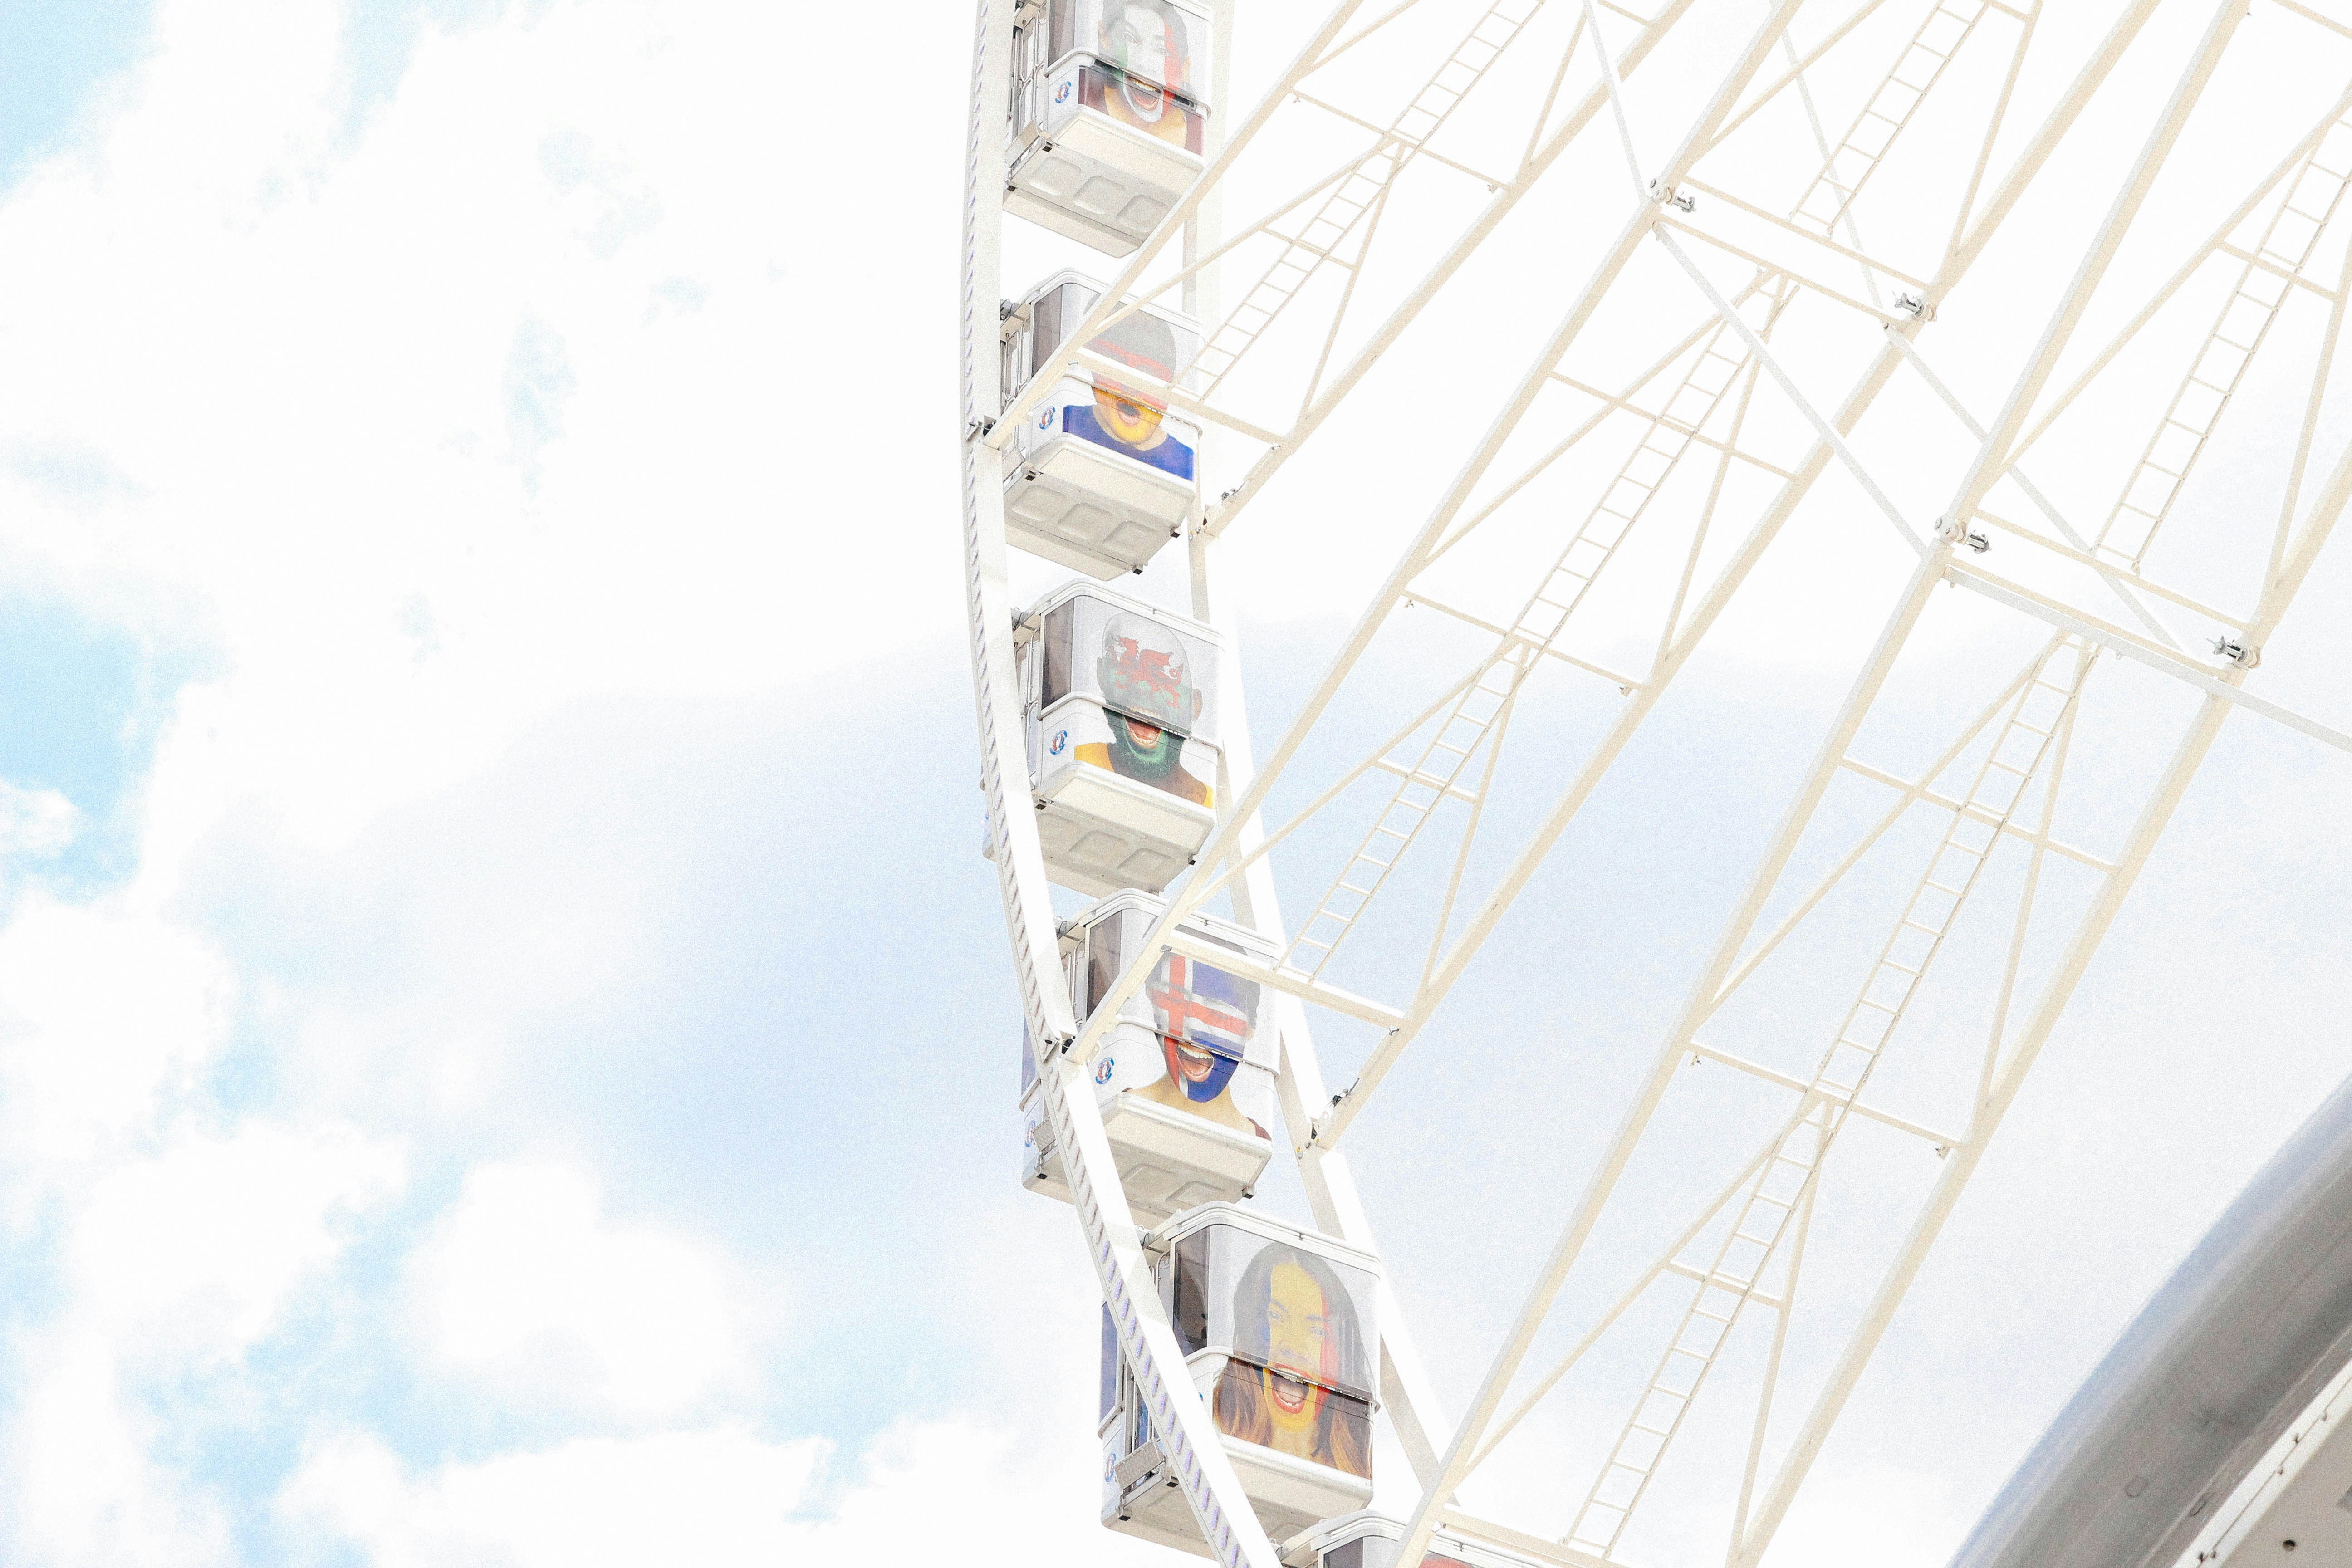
[505, 1051]
[61, 55]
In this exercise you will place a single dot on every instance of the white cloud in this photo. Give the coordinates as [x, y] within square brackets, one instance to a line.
[1014, 1483]
[83, 1485]
[195, 1253]
[103, 1012]
[957, 1491]
[526, 1291]
[713, 1498]
[535, 1271]
[426, 427]
[451, 421]
[35, 821]
[174, 1267]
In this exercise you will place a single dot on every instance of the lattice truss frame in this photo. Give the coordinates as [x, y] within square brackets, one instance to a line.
[1778, 280]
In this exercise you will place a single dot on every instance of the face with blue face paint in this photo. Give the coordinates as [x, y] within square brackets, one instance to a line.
[1203, 1031]
[1201, 1074]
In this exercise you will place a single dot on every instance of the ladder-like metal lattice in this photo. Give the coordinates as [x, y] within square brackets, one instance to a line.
[1360, 191]
[1889, 108]
[2220, 363]
[1712, 373]
[2036, 715]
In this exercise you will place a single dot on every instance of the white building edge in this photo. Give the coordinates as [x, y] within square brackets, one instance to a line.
[2211, 1432]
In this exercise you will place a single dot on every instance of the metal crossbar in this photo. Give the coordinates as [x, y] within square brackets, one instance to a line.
[1361, 191]
[1889, 108]
[1668, 434]
[2219, 363]
[1730, 1280]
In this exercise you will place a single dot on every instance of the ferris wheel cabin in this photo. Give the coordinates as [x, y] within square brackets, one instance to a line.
[1369, 1540]
[1121, 713]
[1100, 474]
[1109, 112]
[1184, 1075]
[1294, 1406]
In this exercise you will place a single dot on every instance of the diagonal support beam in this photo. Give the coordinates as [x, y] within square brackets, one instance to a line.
[1813, 416]
[1472, 1427]
[2139, 649]
[1408, 1398]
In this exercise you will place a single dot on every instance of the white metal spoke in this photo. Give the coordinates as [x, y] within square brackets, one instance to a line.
[1338, 387]
[1351, 1103]
[1849, 1060]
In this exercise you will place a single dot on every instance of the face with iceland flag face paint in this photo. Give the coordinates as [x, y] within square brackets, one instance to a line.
[1205, 1018]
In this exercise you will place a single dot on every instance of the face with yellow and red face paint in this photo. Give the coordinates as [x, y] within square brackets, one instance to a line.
[1148, 345]
[1300, 1355]
[1125, 419]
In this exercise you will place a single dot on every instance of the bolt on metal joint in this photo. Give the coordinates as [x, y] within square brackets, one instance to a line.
[2237, 653]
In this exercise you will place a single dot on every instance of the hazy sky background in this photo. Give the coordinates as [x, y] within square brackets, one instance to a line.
[506, 1055]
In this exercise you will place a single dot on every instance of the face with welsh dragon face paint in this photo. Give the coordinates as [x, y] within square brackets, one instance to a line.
[1146, 679]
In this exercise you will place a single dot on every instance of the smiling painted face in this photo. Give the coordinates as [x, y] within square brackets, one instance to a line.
[1147, 40]
[1201, 1074]
[1205, 1022]
[1129, 416]
[1130, 422]
[1300, 1355]
[1137, 101]
[1297, 1382]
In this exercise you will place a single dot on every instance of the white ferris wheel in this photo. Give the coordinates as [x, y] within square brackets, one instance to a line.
[2018, 323]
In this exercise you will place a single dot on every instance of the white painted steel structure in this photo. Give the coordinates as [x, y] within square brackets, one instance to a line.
[2254, 1328]
[1754, 339]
